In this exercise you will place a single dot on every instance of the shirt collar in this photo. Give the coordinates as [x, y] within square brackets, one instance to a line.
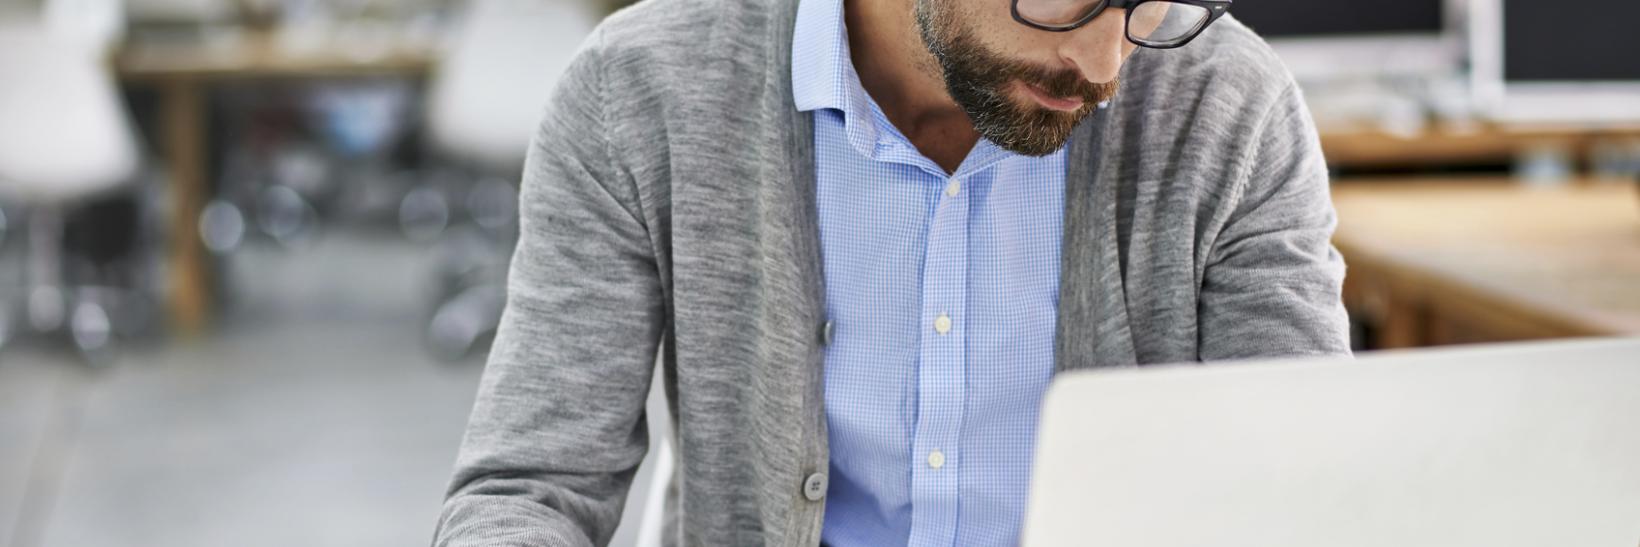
[821, 70]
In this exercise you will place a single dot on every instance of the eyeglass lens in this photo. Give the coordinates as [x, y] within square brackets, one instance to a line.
[1151, 23]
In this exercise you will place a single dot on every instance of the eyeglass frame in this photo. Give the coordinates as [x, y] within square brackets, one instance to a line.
[1215, 9]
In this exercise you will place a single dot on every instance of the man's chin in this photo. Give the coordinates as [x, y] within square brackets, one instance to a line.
[1012, 119]
[1032, 130]
[1035, 141]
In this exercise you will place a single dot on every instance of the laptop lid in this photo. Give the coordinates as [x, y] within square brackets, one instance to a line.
[1514, 445]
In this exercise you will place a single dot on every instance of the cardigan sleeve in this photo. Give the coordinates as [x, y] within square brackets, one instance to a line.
[558, 428]
[1273, 282]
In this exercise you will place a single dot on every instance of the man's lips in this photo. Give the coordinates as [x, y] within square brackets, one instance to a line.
[1041, 96]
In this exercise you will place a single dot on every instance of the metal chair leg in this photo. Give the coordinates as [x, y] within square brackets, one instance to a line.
[91, 327]
[47, 305]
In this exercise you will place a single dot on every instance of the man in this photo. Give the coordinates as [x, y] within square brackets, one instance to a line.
[863, 238]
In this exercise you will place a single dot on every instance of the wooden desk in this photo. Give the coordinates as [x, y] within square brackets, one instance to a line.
[182, 72]
[1455, 261]
[1444, 146]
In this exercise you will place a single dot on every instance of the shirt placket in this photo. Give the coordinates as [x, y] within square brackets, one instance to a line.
[941, 372]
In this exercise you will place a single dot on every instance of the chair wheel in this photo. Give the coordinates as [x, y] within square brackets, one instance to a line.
[93, 333]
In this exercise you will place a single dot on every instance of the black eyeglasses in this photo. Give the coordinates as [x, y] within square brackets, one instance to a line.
[1160, 24]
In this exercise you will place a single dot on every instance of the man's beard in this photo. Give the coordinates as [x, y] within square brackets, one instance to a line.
[979, 80]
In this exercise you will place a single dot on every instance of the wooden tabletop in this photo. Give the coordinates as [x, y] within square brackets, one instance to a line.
[252, 54]
[1532, 261]
[1440, 145]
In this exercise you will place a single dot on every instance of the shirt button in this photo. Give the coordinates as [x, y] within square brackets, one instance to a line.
[826, 333]
[953, 188]
[942, 324]
[814, 487]
[936, 459]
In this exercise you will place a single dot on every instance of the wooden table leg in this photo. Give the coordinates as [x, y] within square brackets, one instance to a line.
[1406, 322]
[184, 130]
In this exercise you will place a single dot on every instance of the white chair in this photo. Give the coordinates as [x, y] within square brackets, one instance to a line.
[652, 520]
[484, 104]
[65, 138]
[644, 520]
[92, 26]
[486, 98]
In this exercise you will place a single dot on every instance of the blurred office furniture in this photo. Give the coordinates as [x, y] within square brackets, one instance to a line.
[487, 95]
[89, 25]
[1387, 65]
[65, 140]
[485, 103]
[1396, 66]
[652, 519]
[178, 11]
[184, 71]
[368, 127]
[1337, 39]
[1447, 261]
[1443, 145]
[1570, 61]
[305, 156]
[1547, 90]
[268, 182]
[643, 519]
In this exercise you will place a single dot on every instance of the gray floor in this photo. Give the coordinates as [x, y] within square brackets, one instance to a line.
[310, 416]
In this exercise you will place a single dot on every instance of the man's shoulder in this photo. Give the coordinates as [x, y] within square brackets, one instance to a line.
[1212, 103]
[1231, 46]
[699, 72]
[1228, 61]
[682, 32]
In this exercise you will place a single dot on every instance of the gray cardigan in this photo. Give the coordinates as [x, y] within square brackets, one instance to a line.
[668, 205]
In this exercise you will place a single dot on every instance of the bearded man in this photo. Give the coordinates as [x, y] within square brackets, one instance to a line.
[858, 238]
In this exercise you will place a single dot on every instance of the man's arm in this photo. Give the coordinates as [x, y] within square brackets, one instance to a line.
[558, 428]
[1273, 280]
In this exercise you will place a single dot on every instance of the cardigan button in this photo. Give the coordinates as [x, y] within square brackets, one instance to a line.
[814, 487]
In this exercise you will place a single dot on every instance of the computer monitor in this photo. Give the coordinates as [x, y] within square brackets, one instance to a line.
[1329, 39]
[1561, 62]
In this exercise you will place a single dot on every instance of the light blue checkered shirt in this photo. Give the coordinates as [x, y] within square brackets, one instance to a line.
[932, 420]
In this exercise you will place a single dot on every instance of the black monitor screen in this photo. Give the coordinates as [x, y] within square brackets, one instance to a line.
[1273, 18]
[1586, 40]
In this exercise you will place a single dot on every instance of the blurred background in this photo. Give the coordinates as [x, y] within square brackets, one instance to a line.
[252, 251]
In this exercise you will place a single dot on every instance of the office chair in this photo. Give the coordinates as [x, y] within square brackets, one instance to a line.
[651, 519]
[484, 105]
[65, 140]
[92, 26]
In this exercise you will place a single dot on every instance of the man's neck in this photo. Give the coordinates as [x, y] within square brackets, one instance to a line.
[904, 79]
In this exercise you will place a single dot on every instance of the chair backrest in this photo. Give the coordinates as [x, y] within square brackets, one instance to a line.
[65, 133]
[95, 25]
[487, 96]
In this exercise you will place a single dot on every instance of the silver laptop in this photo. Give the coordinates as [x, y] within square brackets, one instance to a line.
[1512, 445]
